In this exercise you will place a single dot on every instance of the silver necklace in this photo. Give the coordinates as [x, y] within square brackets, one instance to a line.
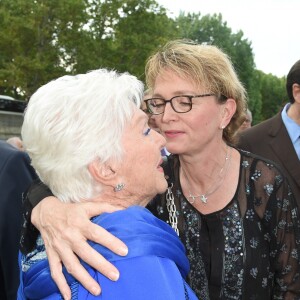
[204, 197]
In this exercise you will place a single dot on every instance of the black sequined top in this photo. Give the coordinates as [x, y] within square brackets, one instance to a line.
[248, 250]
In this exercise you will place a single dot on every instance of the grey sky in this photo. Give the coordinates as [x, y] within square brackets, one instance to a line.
[271, 25]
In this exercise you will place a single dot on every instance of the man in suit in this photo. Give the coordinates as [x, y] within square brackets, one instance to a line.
[278, 138]
[16, 174]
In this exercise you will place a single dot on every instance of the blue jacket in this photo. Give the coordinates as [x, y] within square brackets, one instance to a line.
[154, 268]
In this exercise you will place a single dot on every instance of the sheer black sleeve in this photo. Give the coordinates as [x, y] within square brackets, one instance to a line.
[281, 217]
[36, 193]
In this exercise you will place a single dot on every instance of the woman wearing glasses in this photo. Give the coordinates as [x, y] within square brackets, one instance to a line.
[234, 211]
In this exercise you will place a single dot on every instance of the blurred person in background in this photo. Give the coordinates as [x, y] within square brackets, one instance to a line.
[248, 121]
[16, 142]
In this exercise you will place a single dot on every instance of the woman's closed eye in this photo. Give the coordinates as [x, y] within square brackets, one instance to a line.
[147, 132]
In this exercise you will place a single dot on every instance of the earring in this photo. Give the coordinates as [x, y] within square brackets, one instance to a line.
[222, 127]
[119, 187]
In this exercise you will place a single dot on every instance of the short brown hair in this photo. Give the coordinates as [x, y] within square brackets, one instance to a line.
[207, 66]
[293, 77]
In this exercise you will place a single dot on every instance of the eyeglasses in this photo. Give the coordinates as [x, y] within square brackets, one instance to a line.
[180, 104]
[146, 111]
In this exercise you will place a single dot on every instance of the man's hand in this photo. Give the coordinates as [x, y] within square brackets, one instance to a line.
[65, 229]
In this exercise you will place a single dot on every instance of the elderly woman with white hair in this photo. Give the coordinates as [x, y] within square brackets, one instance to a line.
[81, 134]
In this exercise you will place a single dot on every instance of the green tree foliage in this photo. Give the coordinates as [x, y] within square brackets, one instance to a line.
[42, 40]
[37, 40]
[255, 105]
[140, 28]
[273, 93]
[73, 36]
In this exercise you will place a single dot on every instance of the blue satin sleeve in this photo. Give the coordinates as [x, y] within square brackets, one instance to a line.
[147, 278]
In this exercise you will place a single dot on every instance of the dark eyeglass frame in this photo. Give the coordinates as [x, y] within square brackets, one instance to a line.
[170, 100]
[146, 111]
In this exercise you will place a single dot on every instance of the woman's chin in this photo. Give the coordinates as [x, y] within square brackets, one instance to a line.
[163, 187]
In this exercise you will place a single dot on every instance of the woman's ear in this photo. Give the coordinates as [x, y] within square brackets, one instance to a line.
[296, 92]
[101, 172]
[229, 109]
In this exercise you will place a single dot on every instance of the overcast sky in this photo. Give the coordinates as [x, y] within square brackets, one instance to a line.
[272, 26]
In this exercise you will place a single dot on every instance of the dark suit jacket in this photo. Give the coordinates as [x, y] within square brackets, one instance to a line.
[271, 140]
[16, 174]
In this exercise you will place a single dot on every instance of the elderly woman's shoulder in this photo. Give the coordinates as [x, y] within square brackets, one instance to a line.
[132, 219]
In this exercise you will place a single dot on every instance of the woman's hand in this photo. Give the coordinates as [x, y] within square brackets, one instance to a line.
[65, 229]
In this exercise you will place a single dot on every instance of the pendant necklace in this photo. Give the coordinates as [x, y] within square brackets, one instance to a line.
[204, 197]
